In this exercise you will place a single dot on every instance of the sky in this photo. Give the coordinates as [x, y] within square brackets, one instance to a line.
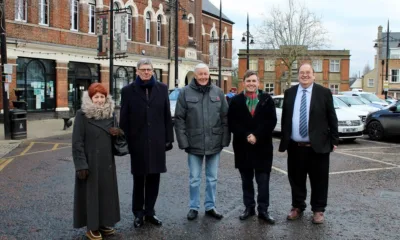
[352, 24]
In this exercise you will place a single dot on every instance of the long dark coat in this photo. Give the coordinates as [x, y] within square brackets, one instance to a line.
[241, 124]
[96, 201]
[148, 127]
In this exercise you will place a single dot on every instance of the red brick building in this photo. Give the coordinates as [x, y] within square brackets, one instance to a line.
[52, 45]
[331, 69]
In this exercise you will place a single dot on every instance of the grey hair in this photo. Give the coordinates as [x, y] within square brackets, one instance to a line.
[200, 66]
[144, 61]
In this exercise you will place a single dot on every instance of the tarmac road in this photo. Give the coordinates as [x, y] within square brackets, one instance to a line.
[36, 198]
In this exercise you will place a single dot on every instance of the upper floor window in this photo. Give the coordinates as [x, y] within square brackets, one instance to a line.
[269, 65]
[74, 15]
[395, 76]
[148, 22]
[269, 87]
[294, 65]
[253, 64]
[92, 16]
[371, 82]
[191, 27]
[317, 65]
[159, 30]
[395, 53]
[334, 66]
[129, 22]
[44, 12]
[225, 46]
[21, 8]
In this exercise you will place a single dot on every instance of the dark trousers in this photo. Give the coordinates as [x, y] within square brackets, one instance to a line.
[262, 179]
[303, 161]
[145, 193]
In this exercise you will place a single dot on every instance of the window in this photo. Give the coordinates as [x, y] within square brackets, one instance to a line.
[253, 64]
[129, 22]
[148, 18]
[269, 65]
[191, 27]
[92, 16]
[44, 12]
[269, 87]
[74, 15]
[294, 65]
[225, 47]
[317, 65]
[395, 76]
[370, 82]
[334, 66]
[278, 102]
[395, 53]
[21, 8]
[115, 7]
[159, 30]
[334, 88]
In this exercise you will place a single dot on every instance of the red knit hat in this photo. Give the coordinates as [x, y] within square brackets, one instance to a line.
[96, 88]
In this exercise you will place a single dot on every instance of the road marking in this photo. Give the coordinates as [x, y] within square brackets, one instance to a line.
[352, 149]
[372, 141]
[370, 159]
[5, 162]
[394, 154]
[363, 170]
[39, 152]
[52, 143]
[27, 148]
[275, 168]
[55, 146]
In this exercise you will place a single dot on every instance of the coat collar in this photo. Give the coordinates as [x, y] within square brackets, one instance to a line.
[142, 92]
[93, 111]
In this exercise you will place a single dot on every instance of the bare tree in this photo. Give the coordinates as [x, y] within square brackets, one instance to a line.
[290, 34]
[367, 69]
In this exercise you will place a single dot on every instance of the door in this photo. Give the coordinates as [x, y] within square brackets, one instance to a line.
[79, 87]
[392, 122]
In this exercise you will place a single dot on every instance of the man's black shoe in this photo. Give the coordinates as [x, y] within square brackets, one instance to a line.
[213, 213]
[192, 214]
[266, 217]
[247, 213]
[138, 222]
[153, 220]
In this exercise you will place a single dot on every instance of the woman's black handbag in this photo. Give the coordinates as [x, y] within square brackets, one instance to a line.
[120, 145]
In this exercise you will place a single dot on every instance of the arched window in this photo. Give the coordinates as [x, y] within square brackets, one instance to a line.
[44, 12]
[159, 30]
[92, 16]
[225, 47]
[115, 7]
[191, 27]
[129, 22]
[74, 15]
[148, 18]
[21, 9]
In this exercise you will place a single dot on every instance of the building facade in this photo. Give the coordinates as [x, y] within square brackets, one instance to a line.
[370, 82]
[331, 69]
[53, 47]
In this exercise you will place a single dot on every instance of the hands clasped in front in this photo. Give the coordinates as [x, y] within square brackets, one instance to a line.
[251, 139]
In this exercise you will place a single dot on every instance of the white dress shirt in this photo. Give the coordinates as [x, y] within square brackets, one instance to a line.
[296, 114]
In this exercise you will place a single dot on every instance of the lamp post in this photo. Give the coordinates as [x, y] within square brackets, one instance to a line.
[178, 7]
[245, 38]
[382, 40]
[6, 118]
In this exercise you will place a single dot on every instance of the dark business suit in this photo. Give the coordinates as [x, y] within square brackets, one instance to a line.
[310, 158]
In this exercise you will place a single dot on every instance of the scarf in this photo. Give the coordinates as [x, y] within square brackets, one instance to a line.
[145, 84]
[251, 101]
[203, 88]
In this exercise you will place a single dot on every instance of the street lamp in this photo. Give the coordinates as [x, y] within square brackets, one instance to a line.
[178, 7]
[386, 39]
[245, 38]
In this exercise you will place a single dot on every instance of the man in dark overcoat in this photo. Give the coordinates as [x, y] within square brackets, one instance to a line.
[145, 118]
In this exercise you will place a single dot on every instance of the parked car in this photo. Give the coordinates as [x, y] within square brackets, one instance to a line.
[350, 125]
[173, 97]
[354, 102]
[372, 99]
[384, 123]
[362, 114]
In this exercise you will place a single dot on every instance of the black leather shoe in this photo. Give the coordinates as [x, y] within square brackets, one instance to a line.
[192, 214]
[153, 220]
[266, 217]
[213, 213]
[247, 213]
[138, 222]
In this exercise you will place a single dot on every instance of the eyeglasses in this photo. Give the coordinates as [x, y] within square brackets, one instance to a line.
[146, 70]
[305, 73]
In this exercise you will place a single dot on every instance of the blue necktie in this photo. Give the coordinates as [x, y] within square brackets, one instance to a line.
[303, 115]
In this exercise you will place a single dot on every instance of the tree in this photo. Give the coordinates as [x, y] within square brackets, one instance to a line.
[367, 69]
[291, 34]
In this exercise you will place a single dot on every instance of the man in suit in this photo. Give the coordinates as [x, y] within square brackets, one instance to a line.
[145, 118]
[309, 134]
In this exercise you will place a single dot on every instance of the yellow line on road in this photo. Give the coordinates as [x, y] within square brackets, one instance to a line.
[5, 162]
[366, 158]
[55, 146]
[27, 148]
[39, 152]
[52, 143]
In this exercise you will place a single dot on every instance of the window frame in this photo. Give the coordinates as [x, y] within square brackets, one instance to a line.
[251, 63]
[159, 30]
[147, 28]
[74, 13]
[269, 65]
[269, 87]
[397, 76]
[18, 8]
[334, 63]
[129, 36]
[317, 65]
[369, 81]
[92, 17]
[335, 87]
[42, 14]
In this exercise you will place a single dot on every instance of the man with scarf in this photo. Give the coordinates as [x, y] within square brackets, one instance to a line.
[145, 118]
[201, 127]
[252, 118]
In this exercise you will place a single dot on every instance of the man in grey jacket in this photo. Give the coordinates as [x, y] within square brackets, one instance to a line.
[201, 126]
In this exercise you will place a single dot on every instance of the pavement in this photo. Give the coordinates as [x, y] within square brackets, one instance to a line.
[35, 129]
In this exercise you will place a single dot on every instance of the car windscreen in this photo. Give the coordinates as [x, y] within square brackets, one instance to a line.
[174, 95]
[351, 100]
[338, 103]
[372, 98]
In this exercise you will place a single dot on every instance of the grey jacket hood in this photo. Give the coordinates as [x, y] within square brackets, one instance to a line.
[94, 111]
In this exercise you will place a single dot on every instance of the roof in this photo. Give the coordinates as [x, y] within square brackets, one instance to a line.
[394, 38]
[357, 83]
[212, 10]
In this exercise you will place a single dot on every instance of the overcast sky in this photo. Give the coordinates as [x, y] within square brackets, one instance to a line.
[352, 24]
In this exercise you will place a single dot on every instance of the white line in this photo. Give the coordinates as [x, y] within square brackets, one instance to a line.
[352, 149]
[363, 170]
[394, 154]
[275, 168]
[371, 141]
[370, 159]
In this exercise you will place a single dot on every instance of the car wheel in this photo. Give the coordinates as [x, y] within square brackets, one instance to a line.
[375, 130]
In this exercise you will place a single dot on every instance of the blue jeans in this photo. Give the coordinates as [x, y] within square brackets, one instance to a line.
[195, 167]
